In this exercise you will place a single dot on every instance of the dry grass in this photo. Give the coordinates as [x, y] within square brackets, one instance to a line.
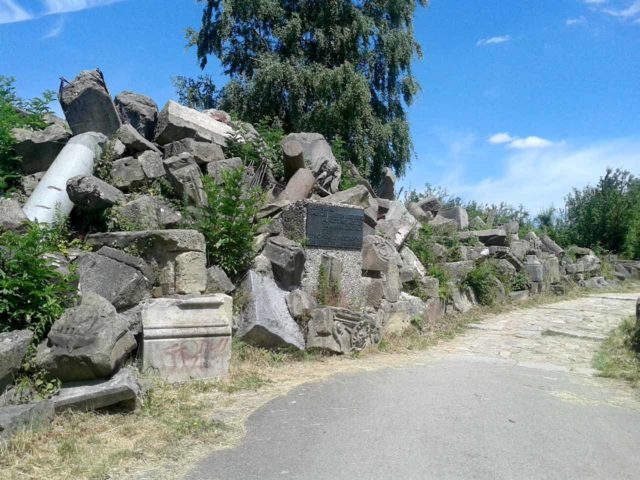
[179, 424]
[616, 358]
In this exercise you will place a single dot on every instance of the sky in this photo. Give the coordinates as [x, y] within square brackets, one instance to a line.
[521, 100]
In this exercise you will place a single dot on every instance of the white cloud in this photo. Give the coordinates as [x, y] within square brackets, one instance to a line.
[539, 178]
[499, 138]
[576, 21]
[53, 7]
[530, 142]
[493, 40]
[518, 143]
[631, 12]
[56, 30]
[11, 12]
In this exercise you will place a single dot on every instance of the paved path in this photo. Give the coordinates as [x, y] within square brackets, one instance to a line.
[512, 398]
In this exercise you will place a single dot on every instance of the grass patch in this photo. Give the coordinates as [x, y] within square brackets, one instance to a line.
[617, 357]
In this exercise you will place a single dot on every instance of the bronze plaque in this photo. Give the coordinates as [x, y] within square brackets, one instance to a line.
[329, 226]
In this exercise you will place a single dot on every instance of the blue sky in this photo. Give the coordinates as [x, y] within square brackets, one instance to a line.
[521, 100]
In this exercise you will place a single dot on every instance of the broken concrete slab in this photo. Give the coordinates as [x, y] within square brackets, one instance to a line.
[265, 320]
[138, 110]
[176, 122]
[39, 148]
[287, 259]
[202, 152]
[122, 390]
[87, 342]
[87, 105]
[90, 194]
[133, 140]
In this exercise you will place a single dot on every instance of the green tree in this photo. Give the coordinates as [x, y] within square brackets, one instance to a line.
[338, 67]
[16, 112]
[602, 215]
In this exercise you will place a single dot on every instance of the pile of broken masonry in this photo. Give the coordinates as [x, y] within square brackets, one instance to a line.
[148, 297]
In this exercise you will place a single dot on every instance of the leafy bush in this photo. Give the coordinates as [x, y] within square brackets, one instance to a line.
[264, 148]
[519, 282]
[227, 223]
[422, 245]
[329, 292]
[14, 113]
[444, 289]
[483, 281]
[32, 293]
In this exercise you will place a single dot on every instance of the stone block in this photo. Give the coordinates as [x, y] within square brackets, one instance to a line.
[119, 283]
[397, 317]
[201, 152]
[300, 304]
[16, 418]
[493, 237]
[176, 122]
[90, 194]
[458, 270]
[458, 215]
[430, 204]
[89, 341]
[325, 334]
[12, 216]
[387, 187]
[185, 176]
[138, 110]
[185, 339]
[122, 390]
[152, 166]
[534, 269]
[87, 105]
[287, 259]
[127, 173]
[318, 158]
[392, 283]
[411, 269]
[149, 212]
[299, 186]
[378, 253]
[265, 320]
[218, 281]
[13, 348]
[292, 157]
[217, 168]
[191, 272]
[133, 140]
[39, 148]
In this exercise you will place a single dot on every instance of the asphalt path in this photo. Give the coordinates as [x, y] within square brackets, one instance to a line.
[500, 402]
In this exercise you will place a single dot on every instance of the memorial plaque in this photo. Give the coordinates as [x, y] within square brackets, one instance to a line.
[329, 226]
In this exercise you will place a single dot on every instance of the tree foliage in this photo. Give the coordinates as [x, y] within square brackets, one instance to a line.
[338, 67]
[14, 113]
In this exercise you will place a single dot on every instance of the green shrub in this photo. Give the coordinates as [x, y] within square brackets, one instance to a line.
[519, 282]
[444, 289]
[32, 293]
[483, 281]
[329, 292]
[227, 223]
[15, 113]
[262, 149]
[422, 245]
